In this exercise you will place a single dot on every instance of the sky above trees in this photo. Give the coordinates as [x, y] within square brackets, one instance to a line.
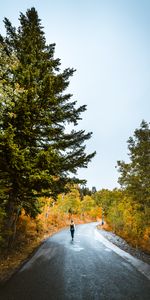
[108, 43]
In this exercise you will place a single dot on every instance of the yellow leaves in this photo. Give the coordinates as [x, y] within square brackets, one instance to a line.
[130, 220]
[17, 86]
[12, 115]
[18, 89]
[87, 203]
[70, 202]
[147, 234]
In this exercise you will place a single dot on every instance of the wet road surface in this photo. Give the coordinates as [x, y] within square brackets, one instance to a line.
[85, 269]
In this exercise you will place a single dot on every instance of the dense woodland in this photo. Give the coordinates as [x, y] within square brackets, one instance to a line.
[39, 158]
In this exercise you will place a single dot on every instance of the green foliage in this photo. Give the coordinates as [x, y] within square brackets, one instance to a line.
[37, 154]
[128, 210]
[128, 218]
[135, 175]
[43, 109]
[87, 204]
[84, 191]
[2, 216]
[73, 203]
[135, 181]
[70, 202]
[106, 198]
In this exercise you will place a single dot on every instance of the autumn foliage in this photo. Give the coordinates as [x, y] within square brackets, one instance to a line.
[38, 196]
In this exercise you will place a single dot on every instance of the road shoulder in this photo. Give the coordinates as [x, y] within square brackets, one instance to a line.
[140, 265]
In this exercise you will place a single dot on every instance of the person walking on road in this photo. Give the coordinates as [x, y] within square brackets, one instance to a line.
[72, 229]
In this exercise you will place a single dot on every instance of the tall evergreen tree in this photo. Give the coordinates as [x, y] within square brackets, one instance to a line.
[135, 175]
[38, 154]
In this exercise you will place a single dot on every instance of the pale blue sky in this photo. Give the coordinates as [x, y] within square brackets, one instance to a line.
[108, 42]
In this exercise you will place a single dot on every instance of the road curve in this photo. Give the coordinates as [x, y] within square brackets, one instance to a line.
[85, 269]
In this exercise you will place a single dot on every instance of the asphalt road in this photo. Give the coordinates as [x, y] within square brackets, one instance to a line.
[85, 269]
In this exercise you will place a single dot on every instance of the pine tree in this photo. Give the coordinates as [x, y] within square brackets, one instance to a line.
[38, 154]
[12, 158]
[135, 175]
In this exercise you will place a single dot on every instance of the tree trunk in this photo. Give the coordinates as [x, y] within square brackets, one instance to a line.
[11, 222]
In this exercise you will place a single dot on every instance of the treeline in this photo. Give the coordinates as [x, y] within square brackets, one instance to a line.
[39, 156]
[127, 210]
[77, 204]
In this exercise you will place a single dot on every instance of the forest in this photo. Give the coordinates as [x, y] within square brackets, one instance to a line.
[39, 158]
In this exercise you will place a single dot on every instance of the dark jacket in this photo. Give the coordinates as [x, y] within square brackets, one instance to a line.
[72, 227]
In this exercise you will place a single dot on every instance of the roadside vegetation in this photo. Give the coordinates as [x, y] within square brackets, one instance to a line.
[55, 215]
[127, 210]
[39, 158]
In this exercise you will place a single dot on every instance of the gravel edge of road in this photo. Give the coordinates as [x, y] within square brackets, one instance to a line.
[122, 244]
